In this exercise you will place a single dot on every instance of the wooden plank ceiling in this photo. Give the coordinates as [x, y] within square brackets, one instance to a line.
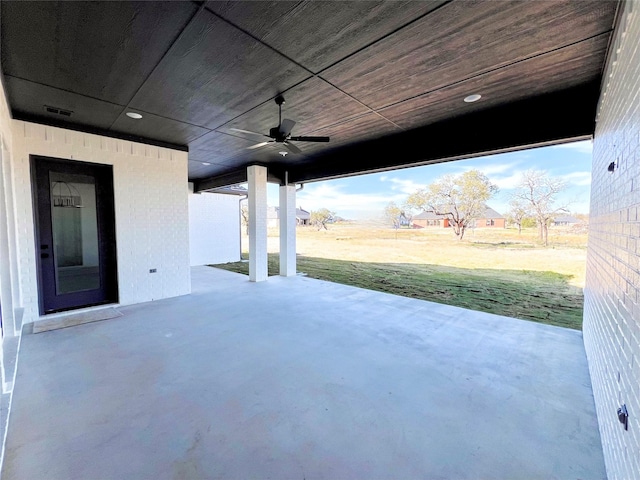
[384, 79]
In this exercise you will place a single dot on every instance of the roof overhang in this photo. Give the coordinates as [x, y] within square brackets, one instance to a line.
[385, 80]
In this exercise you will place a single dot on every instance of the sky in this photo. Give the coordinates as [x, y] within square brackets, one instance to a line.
[364, 197]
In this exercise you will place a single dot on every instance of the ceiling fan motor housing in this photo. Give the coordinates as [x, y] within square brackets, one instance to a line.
[276, 134]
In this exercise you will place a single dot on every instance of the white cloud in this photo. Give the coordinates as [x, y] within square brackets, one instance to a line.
[580, 147]
[401, 185]
[577, 178]
[507, 182]
[492, 168]
[345, 204]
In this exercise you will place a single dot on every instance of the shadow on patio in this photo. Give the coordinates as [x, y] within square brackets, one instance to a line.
[300, 378]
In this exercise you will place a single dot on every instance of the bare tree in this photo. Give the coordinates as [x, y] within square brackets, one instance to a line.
[539, 192]
[518, 212]
[321, 217]
[393, 215]
[462, 198]
[244, 214]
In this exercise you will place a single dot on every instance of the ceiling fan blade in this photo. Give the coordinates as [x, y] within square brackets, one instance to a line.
[258, 145]
[286, 126]
[292, 148]
[261, 135]
[310, 139]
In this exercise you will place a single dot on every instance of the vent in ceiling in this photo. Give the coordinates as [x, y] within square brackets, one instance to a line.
[57, 111]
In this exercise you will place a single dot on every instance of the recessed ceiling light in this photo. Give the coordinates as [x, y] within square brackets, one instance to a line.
[284, 154]
[472, 98]
[135, 115]
[206, 163]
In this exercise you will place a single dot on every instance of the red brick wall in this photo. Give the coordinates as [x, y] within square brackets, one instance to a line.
[497, 223]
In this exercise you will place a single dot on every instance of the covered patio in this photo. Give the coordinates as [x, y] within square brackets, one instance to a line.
[299, 378]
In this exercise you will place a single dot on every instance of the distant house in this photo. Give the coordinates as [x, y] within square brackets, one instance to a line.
[489, 219]
[303, 217]
[404, 221]
[273, 217]
[430, 219]
[565, 221]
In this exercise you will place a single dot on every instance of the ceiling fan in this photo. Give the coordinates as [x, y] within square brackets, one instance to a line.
[281, 133]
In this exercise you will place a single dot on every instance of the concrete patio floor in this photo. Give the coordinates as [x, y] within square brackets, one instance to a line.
[297, 378]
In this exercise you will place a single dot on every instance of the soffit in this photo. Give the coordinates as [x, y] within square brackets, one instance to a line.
[375, 76]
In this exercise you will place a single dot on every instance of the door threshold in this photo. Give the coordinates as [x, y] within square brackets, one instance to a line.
[72, 318]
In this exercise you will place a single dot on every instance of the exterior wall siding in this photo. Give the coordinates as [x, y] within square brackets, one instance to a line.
[612, 291]
[497, 223]
[9, 292]
[444, 223]
[422, 223]
[214, 228]
[151, 208]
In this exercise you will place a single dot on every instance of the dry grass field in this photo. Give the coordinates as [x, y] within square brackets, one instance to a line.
[500, 249]
[497, 271]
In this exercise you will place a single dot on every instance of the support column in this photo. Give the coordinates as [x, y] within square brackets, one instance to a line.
[7, 283]
[287, 217]
[257, 179]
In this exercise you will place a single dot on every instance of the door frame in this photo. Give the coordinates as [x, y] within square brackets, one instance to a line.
[105, 209]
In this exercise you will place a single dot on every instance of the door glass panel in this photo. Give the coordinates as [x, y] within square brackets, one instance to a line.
[75, 232]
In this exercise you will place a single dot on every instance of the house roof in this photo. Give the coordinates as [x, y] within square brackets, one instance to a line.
[491, 213]
[427, 216]
[378, 78]
[302, 214]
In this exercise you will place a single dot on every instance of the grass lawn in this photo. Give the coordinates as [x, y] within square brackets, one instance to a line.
[498, 272]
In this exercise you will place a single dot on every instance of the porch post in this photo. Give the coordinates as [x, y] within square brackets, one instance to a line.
[9, 288]
[287, 217]
[257, 179]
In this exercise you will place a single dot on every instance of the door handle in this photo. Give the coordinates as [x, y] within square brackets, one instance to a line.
[44, 255]
[44, 247]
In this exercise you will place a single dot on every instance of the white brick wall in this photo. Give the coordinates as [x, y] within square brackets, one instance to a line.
[9, 293]
[214, 228]
[152, 226]
[287, 230]
[612, 292]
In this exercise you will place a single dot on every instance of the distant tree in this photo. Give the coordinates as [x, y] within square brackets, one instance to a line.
[244, 215]
[321, 217]
[393, 215]
[408, 212]
[461, 198]
[518, 212]
[582, 216]
[529, 222]
[540, 192]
